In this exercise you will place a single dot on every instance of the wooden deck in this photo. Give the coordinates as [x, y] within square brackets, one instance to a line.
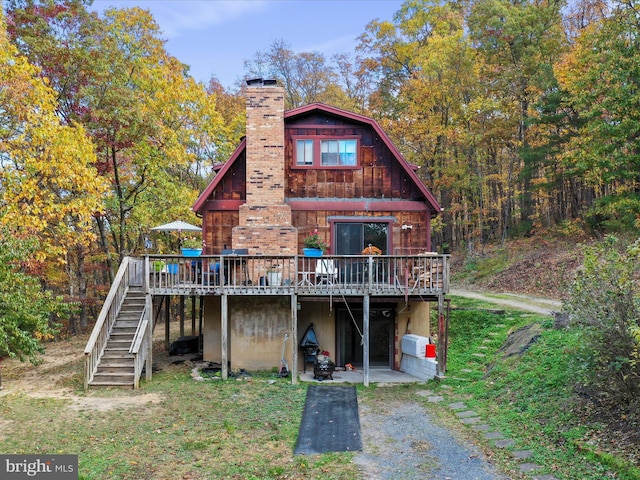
[424, 275]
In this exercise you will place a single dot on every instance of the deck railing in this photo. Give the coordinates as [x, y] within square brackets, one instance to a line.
[384, 275]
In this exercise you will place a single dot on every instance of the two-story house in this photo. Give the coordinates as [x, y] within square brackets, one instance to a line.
[320, 169]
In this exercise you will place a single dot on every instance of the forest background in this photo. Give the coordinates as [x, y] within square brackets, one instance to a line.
[523, 116]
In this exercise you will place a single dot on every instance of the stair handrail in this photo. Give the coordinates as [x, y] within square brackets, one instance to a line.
[102, 329]
[141, 347]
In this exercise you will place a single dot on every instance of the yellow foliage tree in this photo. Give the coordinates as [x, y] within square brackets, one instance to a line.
[49, 187]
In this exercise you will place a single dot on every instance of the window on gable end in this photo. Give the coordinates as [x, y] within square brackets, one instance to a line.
[304, 152]
[326, 152]
[338, 152]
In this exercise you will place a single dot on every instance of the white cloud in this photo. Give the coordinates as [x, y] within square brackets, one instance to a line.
[178, 18]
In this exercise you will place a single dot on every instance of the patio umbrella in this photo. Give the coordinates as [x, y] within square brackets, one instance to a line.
[177, 226]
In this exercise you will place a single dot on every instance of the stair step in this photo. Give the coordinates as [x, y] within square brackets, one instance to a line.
[126, 331]
[117, 350]
[116, 360]
[113, 379]
[111, 384]
[115, 369]
[118, 330]
[118, 342]
[126, 323]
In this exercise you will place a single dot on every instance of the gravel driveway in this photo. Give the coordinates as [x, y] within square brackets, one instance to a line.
[401, 441]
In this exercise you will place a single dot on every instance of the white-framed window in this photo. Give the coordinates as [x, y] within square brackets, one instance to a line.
[304, 152]
[326, 152]
[338, 152]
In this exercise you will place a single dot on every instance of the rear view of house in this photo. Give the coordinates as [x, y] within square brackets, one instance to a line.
[319, 169]
[314, 171]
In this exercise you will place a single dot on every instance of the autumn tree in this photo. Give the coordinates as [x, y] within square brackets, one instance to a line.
[601, 75]
[519, 42]
[153, 126]
[49, 187]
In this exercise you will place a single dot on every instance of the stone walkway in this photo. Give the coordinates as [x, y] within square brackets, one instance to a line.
[474, 421]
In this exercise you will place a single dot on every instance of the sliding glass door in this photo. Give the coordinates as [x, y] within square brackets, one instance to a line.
[352, 237]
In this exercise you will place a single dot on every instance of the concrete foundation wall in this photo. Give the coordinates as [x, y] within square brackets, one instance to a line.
[324, 324]
[256, 328]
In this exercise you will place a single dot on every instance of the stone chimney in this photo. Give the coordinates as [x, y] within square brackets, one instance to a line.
[265, 219]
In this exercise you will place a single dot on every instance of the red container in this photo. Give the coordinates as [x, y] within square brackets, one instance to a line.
[431, 350]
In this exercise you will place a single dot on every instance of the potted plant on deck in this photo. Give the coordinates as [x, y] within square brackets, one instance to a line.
[191, 247]
[314, 246]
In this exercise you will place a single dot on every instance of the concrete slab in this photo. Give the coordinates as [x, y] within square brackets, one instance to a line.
[522, 454]
[493, 436]
[481, 428]
[507, 442]
[471, 420]
[378, 376]
[457, 406]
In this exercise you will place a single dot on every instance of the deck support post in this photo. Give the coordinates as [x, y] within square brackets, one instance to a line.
[148, 300]
[294, 339]
[167, 319]
[442, 347]
[224, 318]
[365, 338]
[182, 315]
[193, 315]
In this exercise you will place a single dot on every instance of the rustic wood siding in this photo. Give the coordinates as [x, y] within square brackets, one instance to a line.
[217, 228]
[379, 176]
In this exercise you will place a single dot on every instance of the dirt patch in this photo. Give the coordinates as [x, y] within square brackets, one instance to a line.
[59, 375]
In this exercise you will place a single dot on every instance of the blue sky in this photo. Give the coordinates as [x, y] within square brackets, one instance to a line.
[215, 37]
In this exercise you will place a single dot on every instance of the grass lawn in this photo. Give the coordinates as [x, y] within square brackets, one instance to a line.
[197, 430]
[177, 428]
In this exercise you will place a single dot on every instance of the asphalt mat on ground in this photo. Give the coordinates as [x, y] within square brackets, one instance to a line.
[330, 421]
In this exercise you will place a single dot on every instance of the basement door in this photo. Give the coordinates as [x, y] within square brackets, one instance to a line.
[348, 338]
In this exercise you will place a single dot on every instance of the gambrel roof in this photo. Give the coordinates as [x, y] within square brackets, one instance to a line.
[332, 111]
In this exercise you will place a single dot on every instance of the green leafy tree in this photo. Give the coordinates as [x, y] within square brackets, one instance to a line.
[605, 302]
[27, 313]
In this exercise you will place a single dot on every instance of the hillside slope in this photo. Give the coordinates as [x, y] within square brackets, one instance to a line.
[540, 267]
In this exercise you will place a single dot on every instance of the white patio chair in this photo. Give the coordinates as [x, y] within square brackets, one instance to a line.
[326, 272]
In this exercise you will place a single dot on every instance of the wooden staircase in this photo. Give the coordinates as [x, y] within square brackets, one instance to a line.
[116, 365]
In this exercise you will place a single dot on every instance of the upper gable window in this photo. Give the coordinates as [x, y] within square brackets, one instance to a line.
[326, 152]
[338, 152]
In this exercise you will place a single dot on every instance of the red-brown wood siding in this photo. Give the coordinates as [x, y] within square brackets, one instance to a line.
[378, 177]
